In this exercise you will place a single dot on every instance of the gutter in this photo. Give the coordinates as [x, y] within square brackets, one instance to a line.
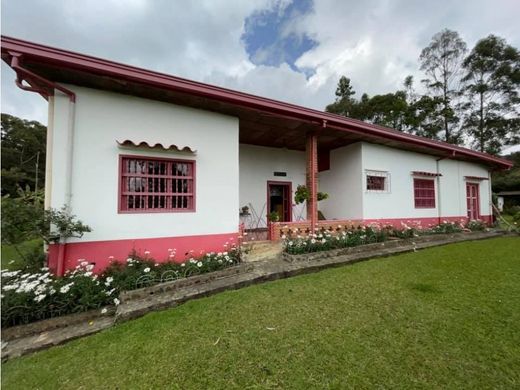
[47, 88]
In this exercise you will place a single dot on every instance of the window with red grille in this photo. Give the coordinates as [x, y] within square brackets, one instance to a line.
[424, 193]
[376, 183]
[156, 185]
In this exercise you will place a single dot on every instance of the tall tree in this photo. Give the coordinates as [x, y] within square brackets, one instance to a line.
[23, 154]
[492, 77]
[345, 104]
[441, 61]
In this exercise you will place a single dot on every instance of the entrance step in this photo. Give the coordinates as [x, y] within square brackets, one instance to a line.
[262, 250]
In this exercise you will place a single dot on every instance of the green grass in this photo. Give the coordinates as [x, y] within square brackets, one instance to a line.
[446, 317]
[12, 260]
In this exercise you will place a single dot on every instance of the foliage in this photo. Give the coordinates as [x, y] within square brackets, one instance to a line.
[28, 297]
[492, 94]
[302, 194]
[273, 216]
[60, 224]
[450, 313]
[508, 180]
[475, 96]
[340, 236]
[21, 216]
[33, 296]
[441, 61]
[23, 154]
[33, 252]
[476, 225]
[325, 240]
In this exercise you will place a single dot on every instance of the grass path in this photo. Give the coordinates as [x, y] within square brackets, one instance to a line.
[446, 317]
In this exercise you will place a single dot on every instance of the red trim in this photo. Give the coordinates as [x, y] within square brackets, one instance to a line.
[101, 253]
[480, 178]
[422, 189]
[121, 210]
[430, 174]
[71, 60]
[288, 204]
[473, 200]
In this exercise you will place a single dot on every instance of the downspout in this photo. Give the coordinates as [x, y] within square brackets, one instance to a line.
[439, 215]
[47, 88]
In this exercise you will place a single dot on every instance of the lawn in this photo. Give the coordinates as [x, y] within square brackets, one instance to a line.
[446, 317]
[11, 259]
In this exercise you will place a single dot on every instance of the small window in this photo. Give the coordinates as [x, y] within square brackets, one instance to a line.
[424, 193]
[156, 185]
[377, 181]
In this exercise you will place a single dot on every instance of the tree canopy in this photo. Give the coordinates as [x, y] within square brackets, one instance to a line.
[472, 98]
[23, 154]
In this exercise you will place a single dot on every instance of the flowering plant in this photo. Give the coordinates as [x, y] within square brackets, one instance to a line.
[28, 297]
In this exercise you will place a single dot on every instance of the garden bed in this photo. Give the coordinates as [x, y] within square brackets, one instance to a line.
[390, 243]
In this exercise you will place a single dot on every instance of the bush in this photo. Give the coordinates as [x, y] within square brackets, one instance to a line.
[32, 296]
[476, 225]
[446, 228]
[327, 240]
[28, 297]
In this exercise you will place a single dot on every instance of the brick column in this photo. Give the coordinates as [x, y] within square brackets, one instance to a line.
[312, 178]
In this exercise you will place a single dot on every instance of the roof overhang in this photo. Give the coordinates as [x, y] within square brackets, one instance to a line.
[263, 121]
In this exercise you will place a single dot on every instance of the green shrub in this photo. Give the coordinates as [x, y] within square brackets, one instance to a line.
[32, 296]
[476, 225]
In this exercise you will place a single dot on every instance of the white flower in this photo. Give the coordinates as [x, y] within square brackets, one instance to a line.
[291, 243]
[183, 265]
[156, 265]
[129, 260]
[199, 264]
[65, 289]
[146, 270]
[109, 280]
[219, 261]
[110, 292]
[40, 297]
[104, 310]
[146, 252]
[116, 301]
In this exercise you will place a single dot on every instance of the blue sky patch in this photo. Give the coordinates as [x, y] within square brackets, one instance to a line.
[267, 40]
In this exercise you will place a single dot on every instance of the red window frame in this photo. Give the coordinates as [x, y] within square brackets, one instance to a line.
[150, 185]
[424, 193]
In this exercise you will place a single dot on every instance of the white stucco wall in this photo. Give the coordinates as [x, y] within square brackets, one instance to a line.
[450, 188]
[257, 167]
[343, 183]
[102, 118]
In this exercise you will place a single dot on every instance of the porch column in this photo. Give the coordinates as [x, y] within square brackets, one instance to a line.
[312, 178]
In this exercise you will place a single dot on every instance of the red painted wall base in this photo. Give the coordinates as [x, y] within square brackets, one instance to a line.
[424, 222]
[101, 253]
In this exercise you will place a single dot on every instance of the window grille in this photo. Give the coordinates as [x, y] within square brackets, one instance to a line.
[424, 193]
[156, 185]
[377, 181]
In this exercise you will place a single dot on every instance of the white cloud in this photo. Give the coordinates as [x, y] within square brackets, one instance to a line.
[376, 43]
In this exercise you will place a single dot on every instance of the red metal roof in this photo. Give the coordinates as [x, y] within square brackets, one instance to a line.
[83, 63]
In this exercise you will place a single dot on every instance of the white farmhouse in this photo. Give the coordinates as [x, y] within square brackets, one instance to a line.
[162, 165]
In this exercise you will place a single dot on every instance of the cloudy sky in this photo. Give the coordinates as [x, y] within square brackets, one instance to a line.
[293, 51]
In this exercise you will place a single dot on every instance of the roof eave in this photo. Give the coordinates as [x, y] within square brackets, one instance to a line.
[71, 60]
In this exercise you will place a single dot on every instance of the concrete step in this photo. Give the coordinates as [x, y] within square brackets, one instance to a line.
[262, 251]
